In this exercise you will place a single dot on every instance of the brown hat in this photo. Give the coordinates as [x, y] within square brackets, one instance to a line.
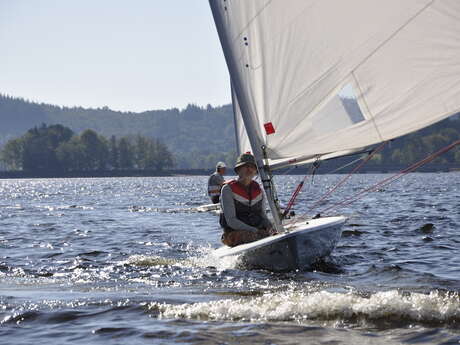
[245, 158]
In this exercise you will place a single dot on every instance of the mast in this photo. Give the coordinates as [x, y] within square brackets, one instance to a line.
[257, 146]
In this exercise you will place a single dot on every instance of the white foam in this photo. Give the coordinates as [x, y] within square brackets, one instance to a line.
[205, 258]
[324, 305]
[198, 257]
[149, 260]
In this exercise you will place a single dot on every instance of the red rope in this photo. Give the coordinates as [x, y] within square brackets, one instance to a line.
[299, 188]
[394, 177]
[293, 197]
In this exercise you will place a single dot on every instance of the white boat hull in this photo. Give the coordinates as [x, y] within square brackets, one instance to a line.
[299, 248]
[208, 208]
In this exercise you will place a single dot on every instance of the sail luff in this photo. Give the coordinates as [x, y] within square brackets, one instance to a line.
[241, 137]
[243, 103]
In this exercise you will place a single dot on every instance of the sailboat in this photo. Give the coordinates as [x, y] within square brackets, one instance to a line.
[292, 64]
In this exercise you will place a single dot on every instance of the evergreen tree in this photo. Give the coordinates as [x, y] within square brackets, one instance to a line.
[141, 148]
[163, 158]
[95, 150]
[72, 155]
[113, 153]
[12, 154]
[125, 154]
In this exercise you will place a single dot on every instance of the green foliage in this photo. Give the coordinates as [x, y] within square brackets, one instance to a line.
[39, 146]
[198, 130]
[71, 155]
[54, 148]
[95, 150]
[198, 136]
[114, 153]
[126, 152]
[416, 146]
[11, 154]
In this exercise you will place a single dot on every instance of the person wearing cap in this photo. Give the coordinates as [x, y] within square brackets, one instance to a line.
[243, 216]
[215, 182]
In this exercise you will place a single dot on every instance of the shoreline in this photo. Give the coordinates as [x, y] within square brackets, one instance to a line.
[435, 168]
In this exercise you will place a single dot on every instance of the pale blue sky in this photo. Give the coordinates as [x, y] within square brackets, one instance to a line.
[128, 55]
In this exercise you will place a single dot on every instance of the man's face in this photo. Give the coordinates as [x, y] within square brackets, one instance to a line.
[247, 170]
[221, 171]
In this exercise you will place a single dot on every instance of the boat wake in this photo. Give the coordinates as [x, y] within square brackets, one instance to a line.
[214, 209]
[201, 258]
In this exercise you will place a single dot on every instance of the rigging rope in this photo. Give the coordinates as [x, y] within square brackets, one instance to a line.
[347, 165]
[394, 177]
[312, 172]
[341, 182]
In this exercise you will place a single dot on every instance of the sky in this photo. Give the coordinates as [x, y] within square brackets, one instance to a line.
[133, 55]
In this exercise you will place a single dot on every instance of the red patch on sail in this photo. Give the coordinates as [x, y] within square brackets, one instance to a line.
[269, 129]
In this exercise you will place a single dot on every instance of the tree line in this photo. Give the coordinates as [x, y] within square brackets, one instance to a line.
[195, 134]
[57, 148]
[199, 136]
[416, 146]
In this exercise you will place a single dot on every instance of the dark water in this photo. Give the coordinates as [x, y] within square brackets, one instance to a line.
[126, 261]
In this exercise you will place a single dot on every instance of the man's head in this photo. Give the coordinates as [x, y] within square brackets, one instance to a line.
[220, 167]
[246, 165]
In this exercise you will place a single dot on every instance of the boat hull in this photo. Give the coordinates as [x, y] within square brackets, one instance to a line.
[300, 248]
[209, 208]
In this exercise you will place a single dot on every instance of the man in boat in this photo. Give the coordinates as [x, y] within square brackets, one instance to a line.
[215, 182]
[243, 216]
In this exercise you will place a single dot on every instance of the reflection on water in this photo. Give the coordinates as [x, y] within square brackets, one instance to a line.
[130, 261]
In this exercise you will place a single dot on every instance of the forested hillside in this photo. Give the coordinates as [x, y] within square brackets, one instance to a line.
[198, 137]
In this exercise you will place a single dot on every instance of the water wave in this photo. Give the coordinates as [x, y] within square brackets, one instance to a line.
[389, 307]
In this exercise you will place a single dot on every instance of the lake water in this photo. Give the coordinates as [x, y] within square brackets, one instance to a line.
[128, 261]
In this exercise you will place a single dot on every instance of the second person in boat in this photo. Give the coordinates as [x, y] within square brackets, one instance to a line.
[243, 216]
[216, 181]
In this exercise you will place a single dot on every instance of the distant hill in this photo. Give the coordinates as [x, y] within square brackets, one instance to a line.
[197, 136]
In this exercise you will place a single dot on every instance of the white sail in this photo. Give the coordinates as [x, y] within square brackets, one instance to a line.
[291, 60]
[242, 140]
[243, 144]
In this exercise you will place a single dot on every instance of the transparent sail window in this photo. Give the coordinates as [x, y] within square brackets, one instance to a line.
[341, 111]
[348, 98]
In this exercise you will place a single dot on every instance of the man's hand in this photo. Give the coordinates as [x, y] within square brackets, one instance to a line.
[271, 231]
